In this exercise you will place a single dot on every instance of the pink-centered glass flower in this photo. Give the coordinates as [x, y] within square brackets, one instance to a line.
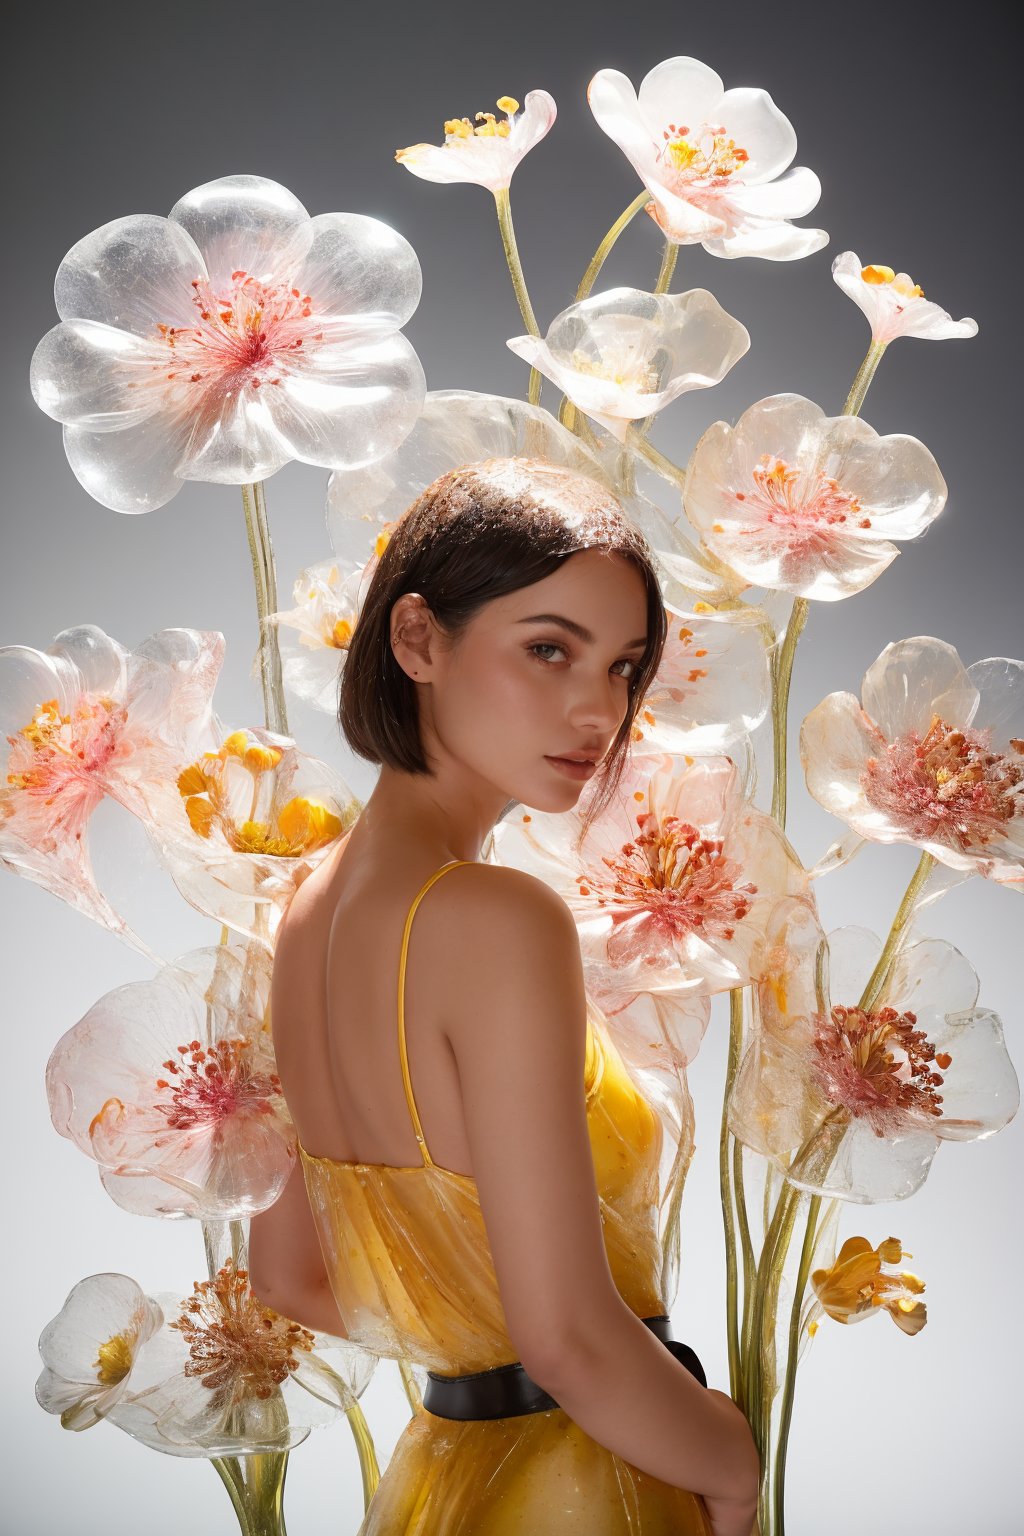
[227, 339]
[674, 883]
[894, 304]
[87, 719]
[626, 354]
[89, 1350]
[931, 754]
[226, 1375]
[487, 150]
[806, 503]
[712, 688]
[852, 1102]
[714, 161]
[254, 817]
[171, 1086]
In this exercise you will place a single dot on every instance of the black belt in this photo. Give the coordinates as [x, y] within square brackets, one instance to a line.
[506, 1391]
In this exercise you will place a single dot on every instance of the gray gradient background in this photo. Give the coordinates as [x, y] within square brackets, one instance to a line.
[907, 121]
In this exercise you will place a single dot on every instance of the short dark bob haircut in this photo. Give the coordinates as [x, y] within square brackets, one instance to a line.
[478, 532]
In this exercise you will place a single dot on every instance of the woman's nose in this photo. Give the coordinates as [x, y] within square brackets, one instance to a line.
[599, 705]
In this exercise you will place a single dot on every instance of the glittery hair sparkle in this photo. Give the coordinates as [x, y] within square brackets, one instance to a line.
[478, 532]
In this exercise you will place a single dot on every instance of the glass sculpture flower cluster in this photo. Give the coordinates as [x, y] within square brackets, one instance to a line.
[239, 333]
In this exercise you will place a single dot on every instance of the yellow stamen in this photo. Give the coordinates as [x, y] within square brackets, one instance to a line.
[880, 275]
[507, 104]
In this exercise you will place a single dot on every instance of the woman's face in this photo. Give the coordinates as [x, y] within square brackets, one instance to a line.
[538, 674]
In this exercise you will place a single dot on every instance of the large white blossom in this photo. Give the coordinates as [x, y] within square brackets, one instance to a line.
[223, 341]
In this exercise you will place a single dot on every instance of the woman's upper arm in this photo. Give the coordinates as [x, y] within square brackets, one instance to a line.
[518, 1031]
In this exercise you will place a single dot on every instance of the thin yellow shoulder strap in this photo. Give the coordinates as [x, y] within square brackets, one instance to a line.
[410, 1100]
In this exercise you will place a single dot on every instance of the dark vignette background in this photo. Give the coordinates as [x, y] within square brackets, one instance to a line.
[905, 113]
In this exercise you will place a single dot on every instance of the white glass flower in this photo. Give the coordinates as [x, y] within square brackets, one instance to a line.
[625, 354]
[89, 1349]
[674, 882]
[87, 719]
[254, 817]
[713, 160]
[894, 304]
[223, 341]
[853, 1102]
[932, 753]
[316, 633]
[226, 1375]
[806, 503]
[171, 1086]
[487, 150]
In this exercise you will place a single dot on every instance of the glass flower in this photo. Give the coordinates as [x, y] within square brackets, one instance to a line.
[806, 503]
[931, 754]
[894, 304]
[86, 719]
[674, 882]
[254, 817]
[625, 354]
[227, 339]
[227, 1375]
[315, 635]
[712, 687]
[850, 1102]
[171, 1086]
[89, 1349]
[487, 150]
[861, 1283]
[713, 160]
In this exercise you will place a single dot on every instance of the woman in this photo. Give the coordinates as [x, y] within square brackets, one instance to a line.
[478, 1181]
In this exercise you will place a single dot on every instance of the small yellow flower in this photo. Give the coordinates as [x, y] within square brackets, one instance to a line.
[856, 1285]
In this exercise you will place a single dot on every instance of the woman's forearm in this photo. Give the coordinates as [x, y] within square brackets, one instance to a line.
[628, 1392]
[313, 1308]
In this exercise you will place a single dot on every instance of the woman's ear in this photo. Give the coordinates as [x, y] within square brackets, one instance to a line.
[411, 634]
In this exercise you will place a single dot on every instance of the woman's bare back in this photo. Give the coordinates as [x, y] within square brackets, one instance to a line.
[335, 1010]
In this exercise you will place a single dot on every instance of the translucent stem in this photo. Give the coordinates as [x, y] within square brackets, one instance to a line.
[905, 911]
[725, 1188]
[515, 267]
[782, 673]
[412, 1391]
[779, 1491]
[600, 256]
[865, 373]
[366, 1451]
[265, 578]
[749, 1266]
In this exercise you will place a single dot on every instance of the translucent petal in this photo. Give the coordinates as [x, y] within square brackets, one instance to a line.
[99, 378]
[980, 1092]
[913, 679]
[868, 1168]
[835, 742]
[1000, 684]
[352, 265]
[134, 469]
[790, 197]
[680, 90]
[240, 223]
[750, 116]
[772, 241]
[348, 406]
[133, 273]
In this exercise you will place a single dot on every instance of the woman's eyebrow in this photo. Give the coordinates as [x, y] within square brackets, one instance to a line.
[575, 629]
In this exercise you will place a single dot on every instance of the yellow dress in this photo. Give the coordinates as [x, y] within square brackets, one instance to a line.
[412, 1273]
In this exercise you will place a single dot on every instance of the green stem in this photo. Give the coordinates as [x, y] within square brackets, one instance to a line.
[779, 1492]
[265, 1474]
[600, 256]
[515, 267]
[749, 1266]
[369, 1467]
[669, 257]
[905, 911]
[865, 373]
[731, 1306]
[230, 1475]
[782, 673]
[265, 578]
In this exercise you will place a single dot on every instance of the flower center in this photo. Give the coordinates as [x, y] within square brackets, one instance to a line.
[487, 125]
[212, 786]
[878, 1065]
[900, 283]
[685, 881]
[240, 335]
[114, 1360]
[948, 786]
[56, 760]
[801, 503]
[705, 154]
[620, 366]
[238, 1348]
[213, 1084]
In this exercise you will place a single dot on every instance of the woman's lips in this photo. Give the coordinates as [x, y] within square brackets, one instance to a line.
[573, 769]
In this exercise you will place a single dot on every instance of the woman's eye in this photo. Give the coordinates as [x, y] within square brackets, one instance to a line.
[550, 645]
[546, 645]
[630, 663]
